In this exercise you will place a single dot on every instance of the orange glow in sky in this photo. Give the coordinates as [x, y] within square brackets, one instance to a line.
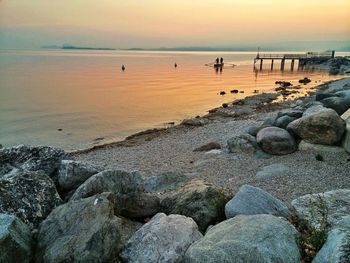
[155, 23]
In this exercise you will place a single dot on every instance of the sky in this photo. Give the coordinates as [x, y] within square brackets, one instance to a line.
[180, 23]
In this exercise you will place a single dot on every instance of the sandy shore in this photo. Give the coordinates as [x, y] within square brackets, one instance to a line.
[172, 150]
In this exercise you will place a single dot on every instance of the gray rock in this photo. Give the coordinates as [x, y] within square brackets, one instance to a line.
[31, 196]
[324, 127]
[321, 96]
[163, 239]
[164, 181]
[344, 93]
[282, 122]
[138, 205]
[317, 211]
[337, 246]
[73, 173]
[261, 155]
[319, 148]
[5, 168]
[15, 240]
[33, 158]
[268, 122]
[253, 239]
[242, 143]
[115, 181]
[252, 200]
[253, 129]
[277, 141]
[195, 122]
[198, 200]
[314, 109]
[85, 230]
[290, 112]
[208, 146]
[340, 105]
[272, 170]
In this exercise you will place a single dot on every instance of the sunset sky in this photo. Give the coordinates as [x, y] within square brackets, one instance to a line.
[162, 23]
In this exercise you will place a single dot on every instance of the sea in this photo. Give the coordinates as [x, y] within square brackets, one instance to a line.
[76, 99]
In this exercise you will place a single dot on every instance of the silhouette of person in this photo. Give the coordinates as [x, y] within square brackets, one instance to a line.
[221, 60]
[123, 67]
[217, 60]
[175, 65]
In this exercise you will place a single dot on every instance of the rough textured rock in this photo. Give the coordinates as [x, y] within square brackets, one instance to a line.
[272, 170]
[321, 96]
[305, 146]
[85, 230]
[33, 158]
[198, 200]
[282, 122]
[253, 129]
[208, 146]
[346, 139]
[164, 181]
[138, 205]
[195, 122]
[318, 210]
[163, 239]
[242, 143]
[253, 239]
[337, 246]
[313, 110]
[324, 127]
[71, 173]
[15, 240]
[31, 196]
[252, 200]
[115, 181]
[276, 141]
[339, 104]
[290, 112]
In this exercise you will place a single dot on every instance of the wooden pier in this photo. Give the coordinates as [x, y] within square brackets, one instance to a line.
[301, 58]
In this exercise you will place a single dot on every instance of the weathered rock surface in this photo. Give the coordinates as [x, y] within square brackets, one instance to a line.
[290, 112]
[321, 96]
[208, 146]
[337, 246]
[319, 148]
[195, 122]
[276, 141]
[252, 200]
[324, 127]
[85, 230]
[339, 104]
[29, 195]
[73, 173]
[313, 110]
[318, 210]
[163, 239]
[115, 181]
[242, 143]
[137, 205]
[33, 158]
[283, 121]
[272, 170]
[254, 239]
[164, 181]
[15, 240]
[198, 200]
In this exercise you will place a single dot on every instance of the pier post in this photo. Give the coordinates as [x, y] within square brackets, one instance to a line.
[271, 64]
[292, 65]
[282, 64]
[261, 64]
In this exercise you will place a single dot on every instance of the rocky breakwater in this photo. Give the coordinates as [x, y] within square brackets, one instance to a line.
[68, 211]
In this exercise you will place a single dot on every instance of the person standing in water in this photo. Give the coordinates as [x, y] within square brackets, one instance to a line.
[175, 65]
[221, 60]
[123, 67]
[217, 60]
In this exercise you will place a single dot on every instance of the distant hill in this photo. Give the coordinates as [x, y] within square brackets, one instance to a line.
[68, 46]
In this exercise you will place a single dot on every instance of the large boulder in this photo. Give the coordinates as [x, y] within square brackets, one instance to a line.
[254, 239]
[314, 109]
[324, 127]
[252, 200]
[336, 248]
[319, 211]
[339, 104]
[34, 158]
[71, 173]
[31, 196]
[198, 200]
[15, 240]
[115, 181]
[163, 239]
[276, 141]
[242, 143]
[164, 182]
[85, 230]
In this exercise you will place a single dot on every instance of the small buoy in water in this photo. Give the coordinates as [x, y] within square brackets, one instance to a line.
[123, 67]
[175, 65]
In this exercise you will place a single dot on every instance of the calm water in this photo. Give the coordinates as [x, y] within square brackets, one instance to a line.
[85, 93]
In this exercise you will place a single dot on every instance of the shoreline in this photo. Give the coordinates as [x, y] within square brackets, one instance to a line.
[217, 112]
